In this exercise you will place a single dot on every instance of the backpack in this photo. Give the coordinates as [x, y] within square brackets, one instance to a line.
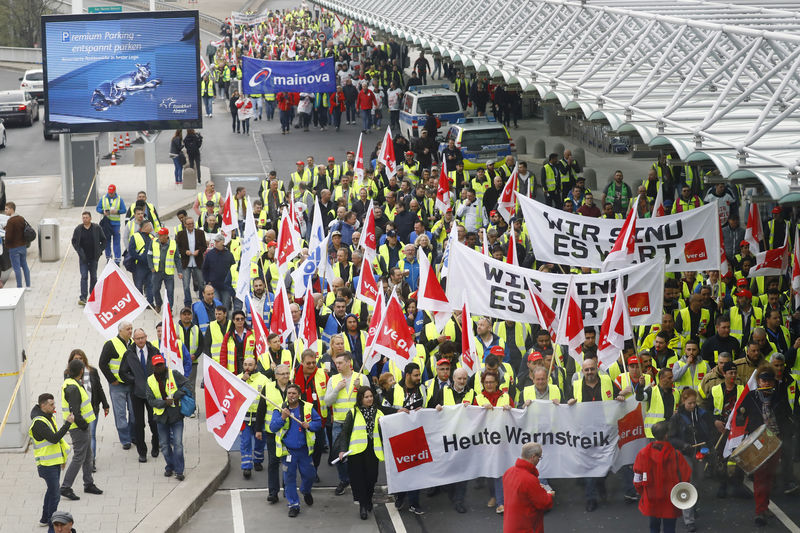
[193, 142]
[29, 234]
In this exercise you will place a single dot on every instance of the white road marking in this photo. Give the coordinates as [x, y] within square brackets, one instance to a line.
[397, 522]
[236, 511]
[779, 514]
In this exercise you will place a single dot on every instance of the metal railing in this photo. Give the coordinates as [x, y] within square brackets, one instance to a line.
[29, 56]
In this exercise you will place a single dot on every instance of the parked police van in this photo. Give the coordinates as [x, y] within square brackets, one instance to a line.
[481, 140]
[418, 99]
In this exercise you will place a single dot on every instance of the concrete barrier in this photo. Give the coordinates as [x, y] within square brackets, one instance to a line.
[558, 148]
[11, 54]
[522, 144]
[591, 179]
[539, 151]
[580, 156]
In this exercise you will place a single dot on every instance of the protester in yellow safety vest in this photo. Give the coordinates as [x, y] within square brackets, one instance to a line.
[690, 370]
[661, 401]
[216, 332]
[301, 175]
[251, 447]
[541, 389]
[360, 439]
[163, 260]
[165, 389]
[121, 402]
[207, 93]
[629, 381]
[76, 401]
[50, 450]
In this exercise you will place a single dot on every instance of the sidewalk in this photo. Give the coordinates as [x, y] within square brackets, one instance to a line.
[136, 496]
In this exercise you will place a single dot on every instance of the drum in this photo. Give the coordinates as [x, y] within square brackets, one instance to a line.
[756, 449]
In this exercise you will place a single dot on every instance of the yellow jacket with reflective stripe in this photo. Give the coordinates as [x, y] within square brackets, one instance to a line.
[217, 336]
[502, 401]
[529, 392]
[87, 412]
[718, 395]
[45, 452]
[169, 264]
[359, 436]
[280, 451]
[113, 363]
[655, 411]
[170, 387]
[259, 382]
[606, 388]
[345, 398]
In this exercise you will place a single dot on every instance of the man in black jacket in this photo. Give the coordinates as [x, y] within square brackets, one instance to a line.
[75, 400]
[110, 361]
[44, 434]
[136, 367]
[89, 241]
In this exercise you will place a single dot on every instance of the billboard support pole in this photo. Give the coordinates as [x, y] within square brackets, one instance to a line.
[65, 155]
[151, 174]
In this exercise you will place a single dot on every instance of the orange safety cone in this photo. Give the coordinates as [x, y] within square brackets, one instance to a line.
[121, 142]
[113, 159]
[114, 149]
[127, 139]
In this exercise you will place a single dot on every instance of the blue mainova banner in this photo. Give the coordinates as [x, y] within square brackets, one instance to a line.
[260, 76]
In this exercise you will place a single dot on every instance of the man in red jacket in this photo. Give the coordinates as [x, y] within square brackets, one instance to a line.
[365, 102]
[525, 499]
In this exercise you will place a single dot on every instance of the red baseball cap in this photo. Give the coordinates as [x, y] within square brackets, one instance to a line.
[350, 152]
[443, 361]
[776, 210]
[497, 350]
[158, 359]
[744, 243]
[300, 163]
[331, 158]
[493, 212]
[535, 356]
[633, 360]
[410, 153]
[163, 231]
[112, 188]
[745, 293]
[741, 283]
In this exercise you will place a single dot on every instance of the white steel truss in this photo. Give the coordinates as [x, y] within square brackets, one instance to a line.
[715, 81]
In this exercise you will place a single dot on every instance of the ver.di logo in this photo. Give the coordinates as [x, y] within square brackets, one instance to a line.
[261, 76]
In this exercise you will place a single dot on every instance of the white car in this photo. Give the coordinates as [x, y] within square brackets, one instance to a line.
[33, 82]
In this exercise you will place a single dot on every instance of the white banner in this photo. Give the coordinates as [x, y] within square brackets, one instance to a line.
[685, 241]
[248, 19]
[500, 290]
[429, 448]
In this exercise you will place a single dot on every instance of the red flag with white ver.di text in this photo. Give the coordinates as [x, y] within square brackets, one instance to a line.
[227, 400]
[113, 299]
[394, 338]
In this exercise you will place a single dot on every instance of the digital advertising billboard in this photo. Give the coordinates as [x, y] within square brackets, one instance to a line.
[121, 71]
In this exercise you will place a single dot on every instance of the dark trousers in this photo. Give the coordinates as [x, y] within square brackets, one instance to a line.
[50, 475]
[88, 277]
[458, 491]
[194, 162]
[235, 125]
[337, 117]
[141, 280]
[669, 524]
[363, 470]
[286, 120]
[394, 118]
[273, 464]
[319, 447]
[139, 407]
[350, 112]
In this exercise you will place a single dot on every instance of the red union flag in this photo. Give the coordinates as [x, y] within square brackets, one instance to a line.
[410, 449]
[288, 242]
[113, 299]
[796, 269]
[507, 203]
[368, 289]
[229, 215]
[469, 354]
[545, 316]
[386, 155]
[623, 253]
[260, 332]
[358, 166]
[281, 318]
[772, 262]
[227, 400]
[368, 241]
[616, 328]
[570, 324]
[443, 194]
[394, 338]
[170, 347]
[308, 322]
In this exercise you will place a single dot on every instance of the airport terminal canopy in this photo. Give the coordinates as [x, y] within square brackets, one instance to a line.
[715, 81]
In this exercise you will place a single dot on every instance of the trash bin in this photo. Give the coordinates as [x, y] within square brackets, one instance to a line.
[48, 240]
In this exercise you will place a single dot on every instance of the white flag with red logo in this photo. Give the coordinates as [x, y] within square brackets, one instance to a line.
[230, 220]
[736, 432]
[545, 316]
[368, 289]
[507, 204]
[616, 328]
[511, 256]
[368, 241]
[623, 253]
[570, 324]
[371, 357]
[358, 166]
[260, 332]
[288, 242]
[796, 269]
[724, 264]
[386, 155]
[394, 338]
[443, 195]
[170, 347]
[754, 232]
[308, 322]
[469, 353]
[430, 295]
[280, 321]
[658, 205]
[772, 262]
[485, 244]
[227, 400]
[203, 66]
[113, 299]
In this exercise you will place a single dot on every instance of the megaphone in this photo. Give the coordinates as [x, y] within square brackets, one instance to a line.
[683, 495]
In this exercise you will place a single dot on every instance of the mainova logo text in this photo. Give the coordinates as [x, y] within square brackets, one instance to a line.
[410, 449]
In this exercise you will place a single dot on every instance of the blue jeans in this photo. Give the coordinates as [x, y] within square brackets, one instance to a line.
[178, 169]
[366, 119]
[141, 280]
[350, 112]
[122, 405]
[297, 459]
[270, 109]
[50, 475]
[591, 488]
[286, 121]
[341, 467]
[170, 438]
[669, 524]
[189, 274]
[257, 105]
[115, 239]
[209, 101]
[88, 277]
[497, 486]
[246, 126]
[19, 260]
[337, 117]
[251, 448]
[156, 278]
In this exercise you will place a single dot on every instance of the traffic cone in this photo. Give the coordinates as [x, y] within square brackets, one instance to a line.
[121, 142]
[114, 149]
[113, 159]
[127, 139]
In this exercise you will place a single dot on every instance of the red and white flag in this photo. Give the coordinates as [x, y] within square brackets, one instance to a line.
[368, 241]
[658, 205]
[386, 155]
[375, 321]
[227, 400]
[772, 262]
[443, 195]
[616, 328]
[394, 338]
[754, 232]
[724, 264]
[308, 322]
[368, 289]
[260, 332]
[545, 316]
[511, 256]
[736, 433]
[113, 299]
[469, 353]
[281, 318]
[288, 243]
[570, 324]
[507, 203]
[485, 244]
[796, 269]
[203, 67]
[358, 165]
[430, 295]
[170, 345]
[623, 253]
[230, 219]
